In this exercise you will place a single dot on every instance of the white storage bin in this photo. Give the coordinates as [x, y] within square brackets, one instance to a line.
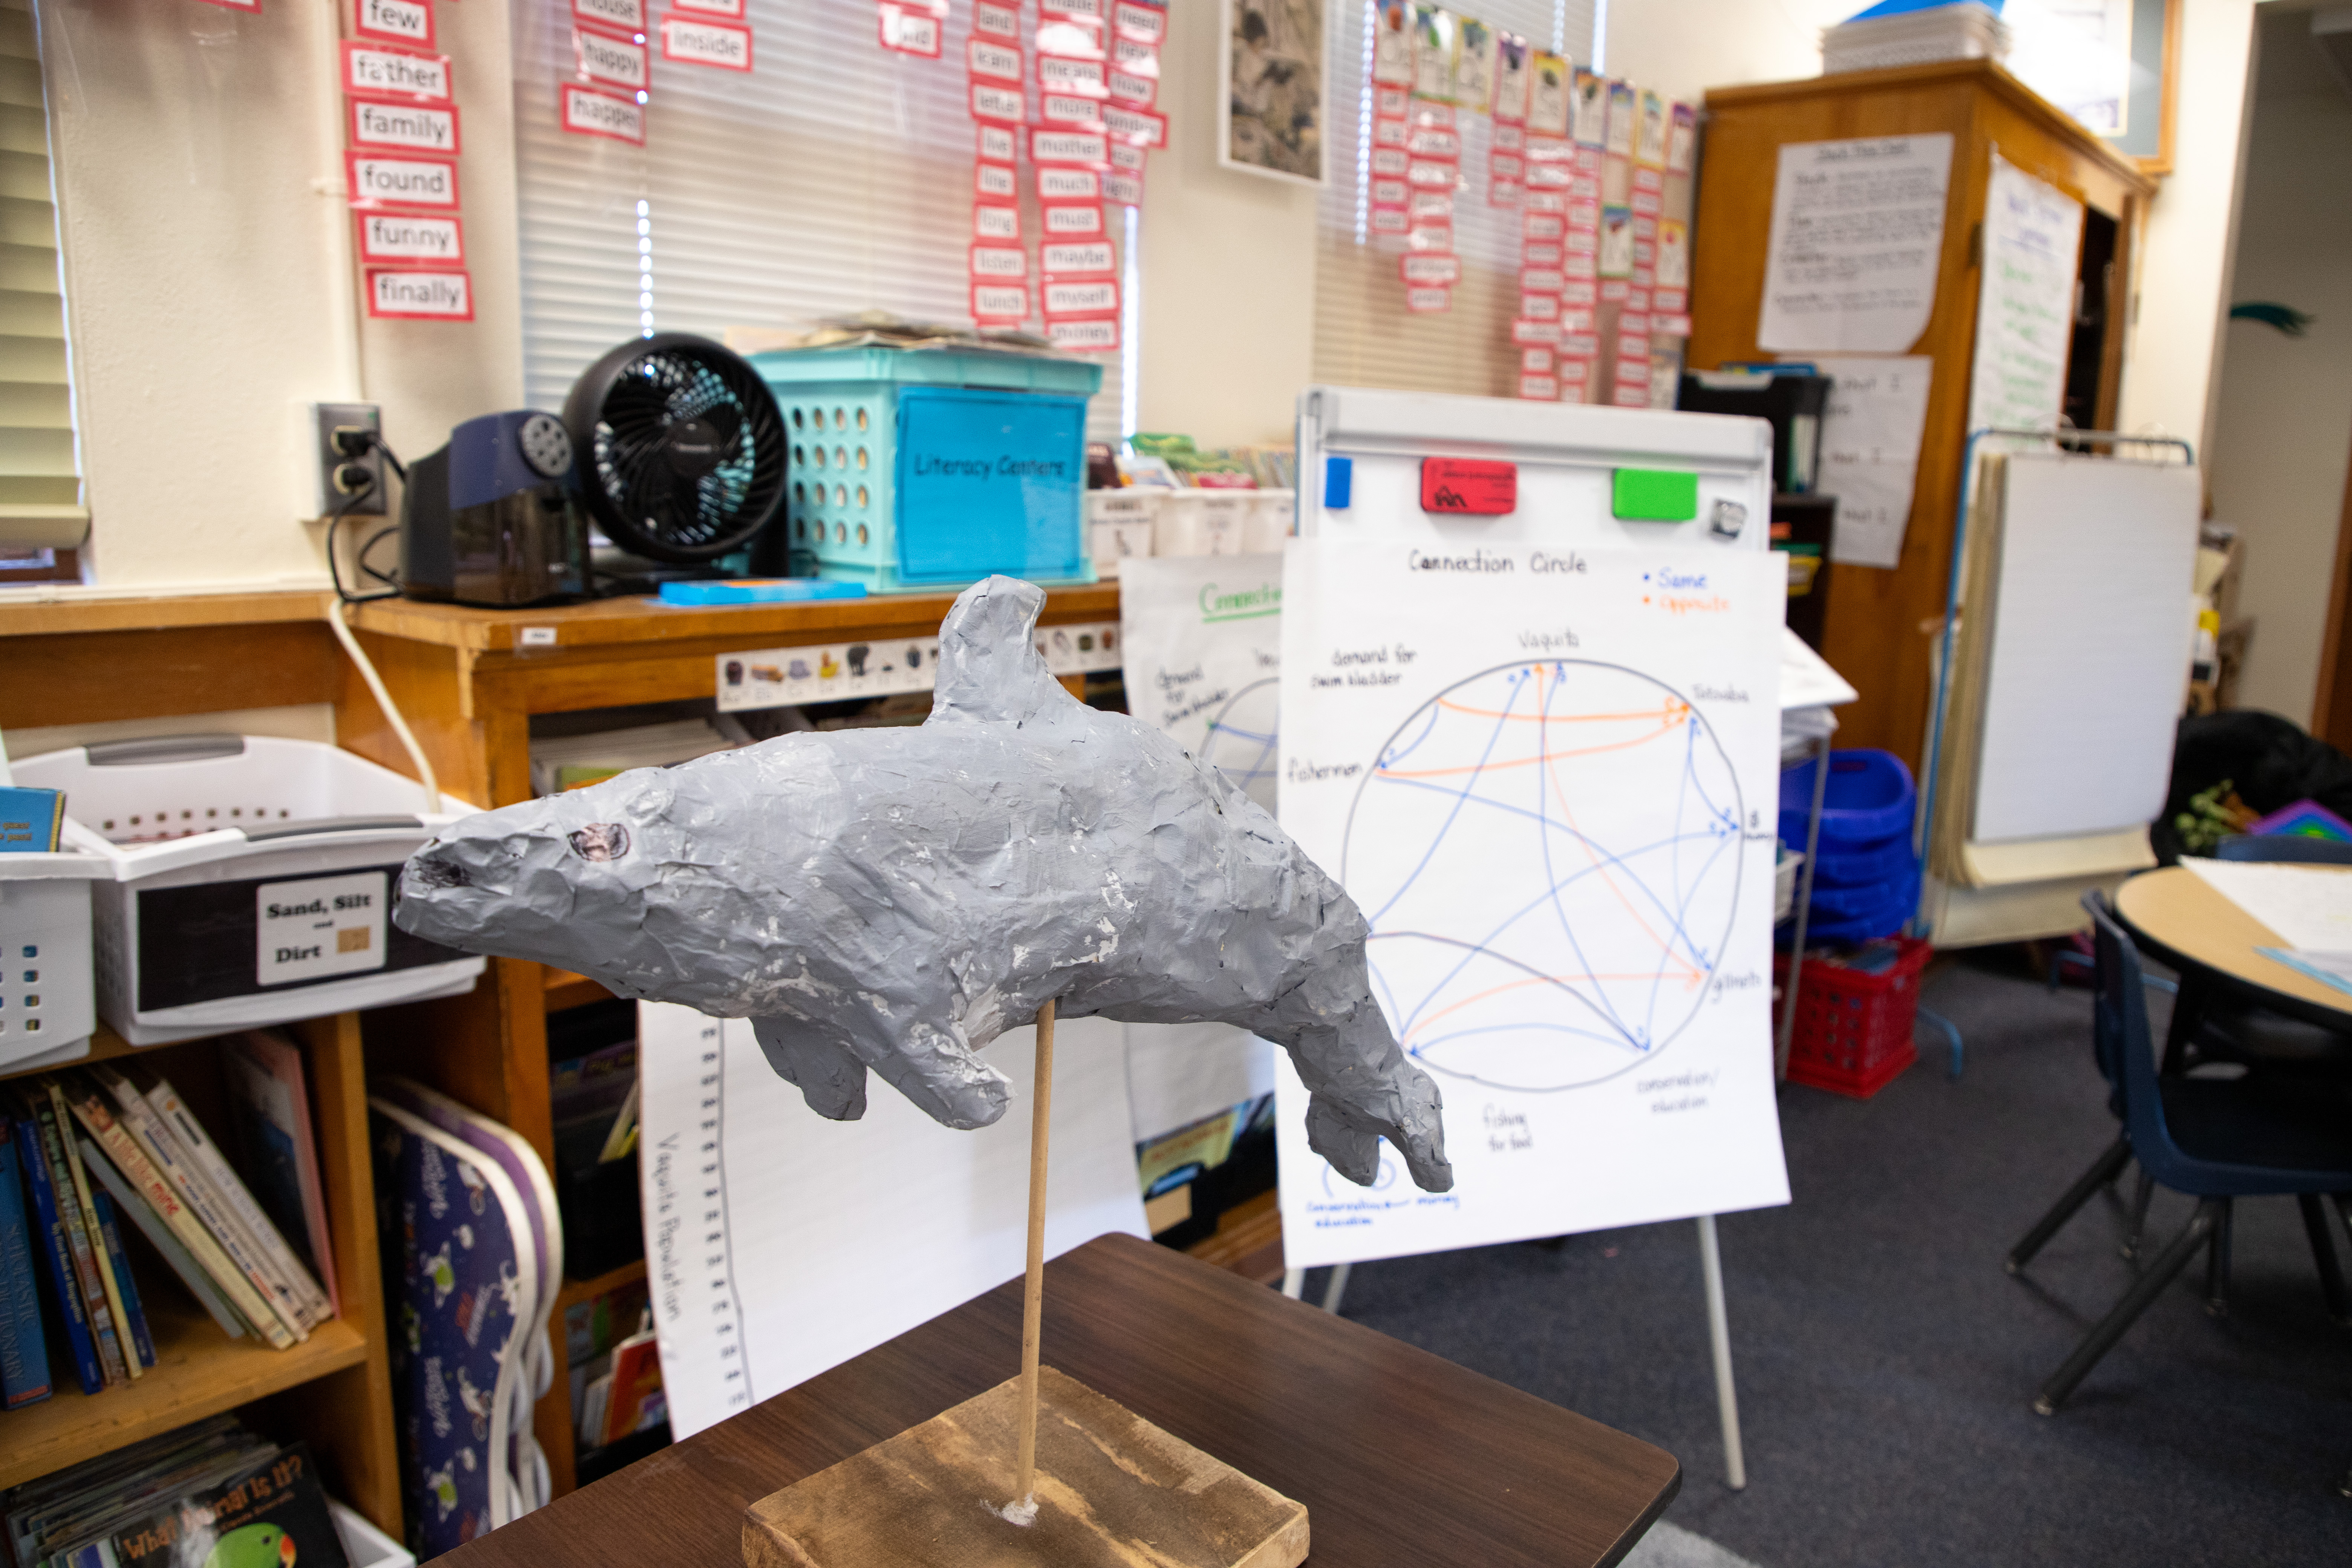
[363, 1544]
[48, 1000]
[1967, 30]
[250, 882]
[1205, 523]
[1272, 515]
[1120, 525]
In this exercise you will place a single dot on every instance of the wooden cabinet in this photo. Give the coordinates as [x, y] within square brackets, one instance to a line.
[1881, 633]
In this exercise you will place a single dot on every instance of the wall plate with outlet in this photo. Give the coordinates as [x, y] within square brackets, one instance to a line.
[326, 420]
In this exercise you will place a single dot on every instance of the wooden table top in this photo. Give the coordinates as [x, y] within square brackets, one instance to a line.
[2185, 917]
[1400, 1458]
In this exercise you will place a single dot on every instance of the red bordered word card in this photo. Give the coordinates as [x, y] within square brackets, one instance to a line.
[1087, 149]
[1081, 297]
[1144, 24]
[391, 180]
[416, 294]
[995, 21]
[1068, 185]
[381, 71]
[690, 40]
[626, 16]
[995, 182]
[1428, 301]
[1000, 302]
[988, 58]
[396, 21]
[1071, 220]
[1140, 126]
[605, 58]
[587, 113]
[1000, 263]
[1082, 259]
[992, 220]
[415, 127]
[1000, 105]
[412, 239]
[1088, 334]
[910, 29]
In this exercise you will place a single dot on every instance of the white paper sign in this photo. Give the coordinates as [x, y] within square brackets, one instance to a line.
[2026, 313]
[1870, 452]
[779, 1244]
[844, 672]
[317, 927]
[1857, 228]
[1203, 658]
[1548, 777]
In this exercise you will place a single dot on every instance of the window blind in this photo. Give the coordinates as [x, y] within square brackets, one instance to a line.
[833, 177]
[40, 469]
[1364, 336]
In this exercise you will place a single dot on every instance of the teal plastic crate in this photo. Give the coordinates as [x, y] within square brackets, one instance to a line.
[914, 470]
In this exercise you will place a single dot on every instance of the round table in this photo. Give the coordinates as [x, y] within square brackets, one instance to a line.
[2181, 919]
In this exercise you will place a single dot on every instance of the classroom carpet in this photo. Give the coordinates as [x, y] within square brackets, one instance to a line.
[1886, 1363]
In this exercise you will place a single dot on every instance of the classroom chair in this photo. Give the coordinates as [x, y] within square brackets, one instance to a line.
[2215, 1139]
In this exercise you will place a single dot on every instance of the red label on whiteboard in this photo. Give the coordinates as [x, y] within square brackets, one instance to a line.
[399, 21]
[415, 294]
[1469, 486]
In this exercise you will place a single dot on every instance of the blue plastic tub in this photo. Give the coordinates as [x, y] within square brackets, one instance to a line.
[1881, 919]
[1863, 868]
[1869, 800]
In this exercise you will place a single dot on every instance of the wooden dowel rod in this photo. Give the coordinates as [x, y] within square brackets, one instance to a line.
[1033, 1294]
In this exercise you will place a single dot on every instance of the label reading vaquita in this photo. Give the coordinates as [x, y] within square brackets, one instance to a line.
[319, 926]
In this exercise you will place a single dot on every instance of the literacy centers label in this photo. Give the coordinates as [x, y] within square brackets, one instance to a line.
[317, 927]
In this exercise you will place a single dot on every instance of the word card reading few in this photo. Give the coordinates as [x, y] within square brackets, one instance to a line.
[396, 21]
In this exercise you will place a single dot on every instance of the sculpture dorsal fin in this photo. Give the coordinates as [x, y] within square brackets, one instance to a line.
[990, 669]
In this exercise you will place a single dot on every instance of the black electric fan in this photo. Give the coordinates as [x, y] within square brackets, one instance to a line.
[681, 451]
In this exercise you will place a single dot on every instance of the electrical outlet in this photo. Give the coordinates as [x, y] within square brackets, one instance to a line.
[337, 467]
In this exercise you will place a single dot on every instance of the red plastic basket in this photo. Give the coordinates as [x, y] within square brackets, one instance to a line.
[1854, 1029]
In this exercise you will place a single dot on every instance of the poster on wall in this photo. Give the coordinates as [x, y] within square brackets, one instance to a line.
[1548, 777]
[2026, 313]
[1857, 234]
[1270, 89]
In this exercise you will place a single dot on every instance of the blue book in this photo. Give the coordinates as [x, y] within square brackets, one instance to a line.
[117, 1261]
[23, 1350]
[56, 1250]
[31, 820]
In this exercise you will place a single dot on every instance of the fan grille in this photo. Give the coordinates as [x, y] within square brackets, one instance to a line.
[688, 451]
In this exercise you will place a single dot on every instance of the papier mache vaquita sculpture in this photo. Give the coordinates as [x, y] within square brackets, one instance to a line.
[895, 898]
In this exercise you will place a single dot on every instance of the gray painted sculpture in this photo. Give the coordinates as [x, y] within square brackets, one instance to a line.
[894, 898]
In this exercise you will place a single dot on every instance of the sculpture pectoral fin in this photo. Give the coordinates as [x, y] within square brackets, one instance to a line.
[936, 1070]
[1364, 1088]
[828, 1074]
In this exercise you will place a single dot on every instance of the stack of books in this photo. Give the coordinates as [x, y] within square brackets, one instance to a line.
[213, 1493]
[92, 1151]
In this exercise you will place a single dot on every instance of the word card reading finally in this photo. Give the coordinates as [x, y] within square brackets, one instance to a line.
[417, 294]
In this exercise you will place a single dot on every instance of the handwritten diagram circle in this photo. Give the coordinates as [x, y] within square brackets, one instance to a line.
[1241, 739]
[1548, 853]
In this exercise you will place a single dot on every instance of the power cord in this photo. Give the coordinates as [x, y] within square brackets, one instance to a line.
[354, 443]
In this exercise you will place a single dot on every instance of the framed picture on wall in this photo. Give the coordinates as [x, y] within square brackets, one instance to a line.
[1271, 90]
[2111, 64]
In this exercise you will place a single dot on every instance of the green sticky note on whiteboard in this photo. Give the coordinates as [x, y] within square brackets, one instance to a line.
[1654, 495]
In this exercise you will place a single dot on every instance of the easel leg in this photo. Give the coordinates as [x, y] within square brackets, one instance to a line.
[1337, 1289]
[1294, 1283]
[1718, 1331]
[1033, 1293]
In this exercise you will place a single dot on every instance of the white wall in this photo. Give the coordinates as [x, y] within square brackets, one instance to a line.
[2283, 435]
[200, 177]
[1682, 48]
[1228, 293]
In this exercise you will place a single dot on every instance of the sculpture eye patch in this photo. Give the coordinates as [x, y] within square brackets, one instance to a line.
[601, 841]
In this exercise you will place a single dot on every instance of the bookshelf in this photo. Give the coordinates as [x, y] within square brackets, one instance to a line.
[334, 1388]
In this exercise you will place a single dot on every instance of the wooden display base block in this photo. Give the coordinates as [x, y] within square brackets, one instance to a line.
[1113, 1491]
